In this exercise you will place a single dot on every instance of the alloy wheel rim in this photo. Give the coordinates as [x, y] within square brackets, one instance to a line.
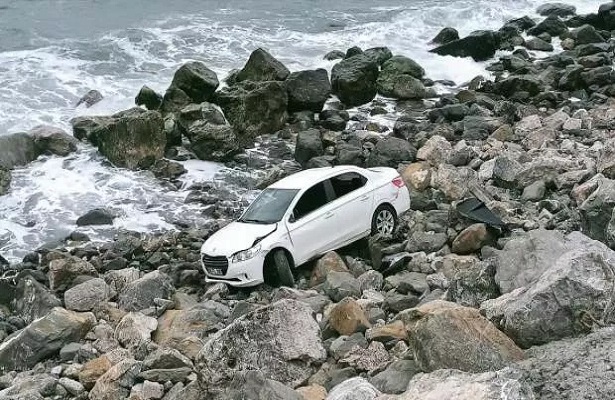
[385, 222]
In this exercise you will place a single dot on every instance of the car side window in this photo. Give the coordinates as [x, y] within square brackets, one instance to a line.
[314, 198]
[347, 182]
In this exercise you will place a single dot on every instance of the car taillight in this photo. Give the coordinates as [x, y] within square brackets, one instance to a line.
[398, 182]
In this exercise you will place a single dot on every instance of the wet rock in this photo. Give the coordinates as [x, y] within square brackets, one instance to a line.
[446, 35]
[585, 34]
[453, 384]
[538, 44]
[88, 295]
[213, 142]
[518, 83]
[64, 271]
[379, 54]
[334, 55]
[140, 294]
[262, 66]
[347, 317]
[116, 382]
[196, 80]
[391, 151]
[400, 78]
[17, 149]
[394, 379]
[557, 9]
[309, 145]
[90, 98]
[97, 216]
[353, 80]
[32, 300]
[51, 140]
[308, 90]
[130, 139]
[480, 45]
[471, 239]
[571, 293]
[165, 169]
[254, 108]
[354, 389]
[149, 98]
[43, 338]
[447, 335]
[174, 100]
[551, 25]
[281, 340]
[349, 155]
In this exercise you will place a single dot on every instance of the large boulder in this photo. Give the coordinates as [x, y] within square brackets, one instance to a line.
[88, 295]
[447, 335]
[557, 9]
[573, 293]
[131, 139]
[551, 25]
[353, 80]
[262, 66]
[281, 340]
[43, 338]
[134, 332]
[32, 300]
[63, 271]
[480, 45]
[458, 385]
[52, 140]
[308, 90]
[309, 145]
[140, 294]
[212, 142]
[149, 98]
[400, 78]
[525, 257]
[391, 151]
[196, 80]
[254, 108]
[597, 209]
[17, 149]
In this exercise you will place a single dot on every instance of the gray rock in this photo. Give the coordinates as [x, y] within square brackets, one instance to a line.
[134, 332]
[334, 55]
[52, 140]
[90, 98]
[117, 381]
[309, 145]
[166, 374]
[446, 35]
[16, 150]
[164, 358]
[397, 302]
[339, 285]
[196, 80]
[525, 257]
[394, 379]
[353, 80]
[68, 352]
[281, 340]
[308, 90]
[391, 151]
[254, 385]
[213, 142]
[426, 241]
[379, 54]
[147, 390]
[88, 295]
[606, 159]
[312, 298]
[538, 44]
[5, 180]
[370, 359]
[573, 292]
[64, 271]
[534, 192]
[471, 281]
[408, 282]
[400, 78]
[140, 294]
[262, 66]
[73, 387]
[371, 280]
[354, 389]
[480, 45]
[97, 216]
[557, 9]
[586, 34]
[597, 209]
[43, 338]
[343, 344]
[148, 98]
[32, 300]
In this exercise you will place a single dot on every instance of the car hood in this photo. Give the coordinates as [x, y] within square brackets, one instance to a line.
[235, 237]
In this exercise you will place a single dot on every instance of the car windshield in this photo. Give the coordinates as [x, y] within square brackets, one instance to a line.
[269, 207]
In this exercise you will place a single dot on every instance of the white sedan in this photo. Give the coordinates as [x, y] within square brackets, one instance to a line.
[301, 217]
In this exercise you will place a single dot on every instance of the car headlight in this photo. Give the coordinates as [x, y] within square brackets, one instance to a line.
[246, 254]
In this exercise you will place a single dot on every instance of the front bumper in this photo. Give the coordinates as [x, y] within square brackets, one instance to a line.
[241, 274]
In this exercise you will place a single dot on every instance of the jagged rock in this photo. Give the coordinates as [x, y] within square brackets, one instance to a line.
[32, 300]
[480, 45]
[585, 34]
[330, 262]
[174, 100]
[354, 389]
[417, 176]
[117, 381]
[471, 239]
[165, 169]
[262, 66]
[458, 385]
[309, 145]
[426, 241]
[471, 281]
[52, 140]
[213, 142]
[308, 90]
[281, 340]
[312, 392]
[453, 182]
[347, 317]
[391, 151]
[254, 108]
[379, 54]
[597, 209]
[334, 55]
[148, 98]
[557, 9]
[518, 83]
[446, 335]
[196, 80]
[408, 282]
[394, 379]
[165, 358]
[62, 272]
[446, 35]
[353, 80]
[551, 25]
[73, 387]
[88, 295]
[572, 293]
[400, 78]
[43, 338]
[312, 298]
[538, 44]
[119, 279]
[436, 150]
[166, 375]
[134, 332]
[131, 139]
[338, 285]
[385, 333]
[90, 98]
[140, 294]
[343, 344]
[147, 391]
[17, 149]
[606, 160]
[254, 385]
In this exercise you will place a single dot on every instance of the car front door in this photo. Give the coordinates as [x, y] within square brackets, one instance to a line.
[352, 206]
[312, 225]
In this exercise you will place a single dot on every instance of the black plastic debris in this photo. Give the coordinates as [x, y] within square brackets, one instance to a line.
[3, 262]
[476, 210]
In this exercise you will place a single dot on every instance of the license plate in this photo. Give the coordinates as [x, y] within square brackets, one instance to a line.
[215, 271]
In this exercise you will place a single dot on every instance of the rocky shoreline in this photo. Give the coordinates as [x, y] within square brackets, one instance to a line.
[447, 308]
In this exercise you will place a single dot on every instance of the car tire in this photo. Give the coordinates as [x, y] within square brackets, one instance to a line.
[384, 221]
[278, 271]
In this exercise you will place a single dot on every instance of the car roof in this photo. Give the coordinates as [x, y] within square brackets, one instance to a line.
[309, 177]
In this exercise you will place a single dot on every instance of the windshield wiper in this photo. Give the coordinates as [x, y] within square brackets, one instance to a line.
[254, 221]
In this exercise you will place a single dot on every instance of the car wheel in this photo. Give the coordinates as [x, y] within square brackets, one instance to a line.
[278, 271]
[384, 221]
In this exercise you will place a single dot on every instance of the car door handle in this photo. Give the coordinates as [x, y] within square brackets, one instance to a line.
[328, 215]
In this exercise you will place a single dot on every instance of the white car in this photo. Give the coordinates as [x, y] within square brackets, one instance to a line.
[302, 217]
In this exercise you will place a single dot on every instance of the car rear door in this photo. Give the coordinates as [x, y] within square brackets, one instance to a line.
[313, 224]
[352, 206]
